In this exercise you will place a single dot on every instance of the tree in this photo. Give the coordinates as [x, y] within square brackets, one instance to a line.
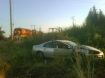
[92, 31]
[92, 17]
[95, 18]
[89, 17]
[1, 34]
[101, 19]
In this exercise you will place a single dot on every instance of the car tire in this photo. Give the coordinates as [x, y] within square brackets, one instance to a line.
[40, 54]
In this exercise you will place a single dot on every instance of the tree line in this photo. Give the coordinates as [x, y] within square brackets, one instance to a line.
[1, 34]
[92, 32]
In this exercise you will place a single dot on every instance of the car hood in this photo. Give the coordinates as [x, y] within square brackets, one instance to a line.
[92, 48]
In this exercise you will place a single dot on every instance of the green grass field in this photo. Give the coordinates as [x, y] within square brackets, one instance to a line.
[16, 61]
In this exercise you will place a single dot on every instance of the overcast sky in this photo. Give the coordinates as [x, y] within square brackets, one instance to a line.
[46, 13]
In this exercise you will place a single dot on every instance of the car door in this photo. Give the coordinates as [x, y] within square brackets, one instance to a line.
[48, 49]
[61, 49]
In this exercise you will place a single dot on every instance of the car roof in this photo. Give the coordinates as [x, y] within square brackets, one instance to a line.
[63, 41]
[67, 42]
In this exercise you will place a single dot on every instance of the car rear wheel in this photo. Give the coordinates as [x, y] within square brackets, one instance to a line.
[40, 54]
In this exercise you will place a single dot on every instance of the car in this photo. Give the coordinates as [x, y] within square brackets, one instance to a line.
[90, 51]
[54, 49]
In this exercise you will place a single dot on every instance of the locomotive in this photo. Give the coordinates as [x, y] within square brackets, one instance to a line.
[24, 33]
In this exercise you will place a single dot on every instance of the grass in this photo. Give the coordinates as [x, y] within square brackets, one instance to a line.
[16, 61]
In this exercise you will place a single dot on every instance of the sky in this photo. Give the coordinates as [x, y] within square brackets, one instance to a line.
[45, 13]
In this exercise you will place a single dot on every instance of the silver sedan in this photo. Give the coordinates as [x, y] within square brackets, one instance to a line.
[54, 48]
[90, 51]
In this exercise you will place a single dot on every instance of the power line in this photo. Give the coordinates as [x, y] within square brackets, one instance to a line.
[101, 5]
[86, 13]
[87, 1]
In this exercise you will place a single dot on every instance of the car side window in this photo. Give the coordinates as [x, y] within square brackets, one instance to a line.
[60, 45]
[81, 47]
[48, 45]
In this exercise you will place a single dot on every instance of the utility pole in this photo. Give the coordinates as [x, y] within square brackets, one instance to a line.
[60, 29]
[34, 28]
[11, 19]
[73, 20]
[52, 29]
